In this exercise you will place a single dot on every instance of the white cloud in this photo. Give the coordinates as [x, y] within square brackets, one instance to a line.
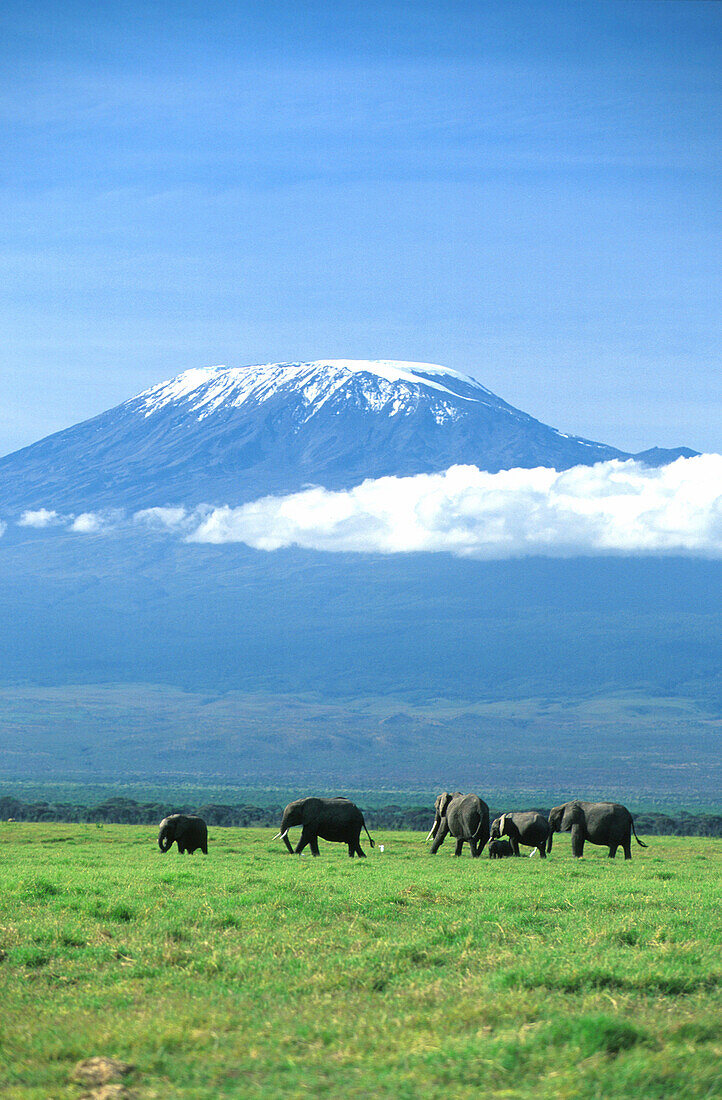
[88, 523]
[40, 518]
[613, 507]
[166, 519]
[3, 528]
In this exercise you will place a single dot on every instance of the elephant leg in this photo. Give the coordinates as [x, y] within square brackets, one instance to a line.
[459, 847]
[627, 846]
[439, 838]
[577, 841]
[313, 844]
[612, 851]
[360, 852]
[475, 849]
[514, 845]
[306, 838]
[541, 849]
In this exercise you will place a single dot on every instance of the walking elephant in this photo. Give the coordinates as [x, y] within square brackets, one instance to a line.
[335, 819]
[529, 828]
[188, 832]
[466, 817]
[606, 823]
[500, 849]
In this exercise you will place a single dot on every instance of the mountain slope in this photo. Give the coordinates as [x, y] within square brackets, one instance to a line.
[226, 435]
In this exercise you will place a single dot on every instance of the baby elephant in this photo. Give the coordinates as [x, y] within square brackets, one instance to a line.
[189, 833]
[500, 849]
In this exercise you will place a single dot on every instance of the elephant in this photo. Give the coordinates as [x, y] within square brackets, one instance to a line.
[189, 832]
[466, 817]
[335, 819]
[606, 823]
[528, 828]
[500, 849]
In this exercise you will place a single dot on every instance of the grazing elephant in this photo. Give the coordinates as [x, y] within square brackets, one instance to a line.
[329, 818]
[189, 833]
[466, 817]
[522, 828]
[605, 823]
[500, 849]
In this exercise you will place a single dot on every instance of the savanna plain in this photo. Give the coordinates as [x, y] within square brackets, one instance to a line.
[253, 973]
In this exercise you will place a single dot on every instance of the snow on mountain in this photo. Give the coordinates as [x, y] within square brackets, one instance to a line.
[382, 385]
[226, 435]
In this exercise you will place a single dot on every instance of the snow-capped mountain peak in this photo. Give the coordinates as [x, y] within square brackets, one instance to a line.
[227, 435]
[374, 383]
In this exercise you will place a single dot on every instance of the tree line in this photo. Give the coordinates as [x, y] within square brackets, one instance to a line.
[126, 811]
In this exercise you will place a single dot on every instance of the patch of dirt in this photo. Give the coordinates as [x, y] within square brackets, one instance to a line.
[110, 1092]
[104, 1076]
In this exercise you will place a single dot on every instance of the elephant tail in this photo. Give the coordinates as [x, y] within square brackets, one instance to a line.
[368, 834]
[639, 842]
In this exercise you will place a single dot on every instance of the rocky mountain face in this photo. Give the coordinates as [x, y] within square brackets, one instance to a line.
[224, 435]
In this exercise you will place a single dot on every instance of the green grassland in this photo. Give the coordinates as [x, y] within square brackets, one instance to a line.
[252, 973]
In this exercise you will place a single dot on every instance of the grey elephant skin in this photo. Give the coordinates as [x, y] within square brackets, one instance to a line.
[606, 823]
[524, 827]
[334, 819]
[500, 849]
[465, 817]
[188, 832]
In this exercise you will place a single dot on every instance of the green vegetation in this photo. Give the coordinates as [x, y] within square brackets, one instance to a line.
[384, 813]
[252, 973]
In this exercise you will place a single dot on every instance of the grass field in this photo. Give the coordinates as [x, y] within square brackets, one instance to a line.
[252, 973]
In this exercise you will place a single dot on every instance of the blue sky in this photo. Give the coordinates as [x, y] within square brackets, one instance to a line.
[527, 192]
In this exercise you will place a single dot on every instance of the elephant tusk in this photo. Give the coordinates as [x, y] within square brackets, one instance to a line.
[429, 836]
[276, 837]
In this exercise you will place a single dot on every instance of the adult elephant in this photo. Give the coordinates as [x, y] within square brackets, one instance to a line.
[529, 828]
[465, 816]
[335, 819]
[185, 830]
[607, 823]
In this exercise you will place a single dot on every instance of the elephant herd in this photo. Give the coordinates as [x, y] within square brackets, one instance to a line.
[465, 817]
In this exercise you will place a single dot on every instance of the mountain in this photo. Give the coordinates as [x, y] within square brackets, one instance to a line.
[226, 435]
[135, 656]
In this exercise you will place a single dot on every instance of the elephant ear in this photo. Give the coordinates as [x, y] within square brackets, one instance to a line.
[502, 824]
[573, 815]
[442, 802]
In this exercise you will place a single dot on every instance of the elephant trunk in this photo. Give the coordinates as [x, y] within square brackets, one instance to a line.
[164, 841]
[286, 824]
